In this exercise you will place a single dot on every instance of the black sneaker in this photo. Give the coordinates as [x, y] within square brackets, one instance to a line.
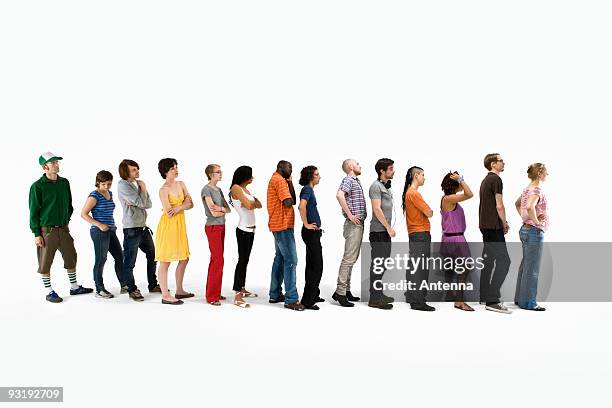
[53, 297]
[80, 290]
[104, 294]
[422, 307]
[280, 299]
[352, 298]
[342, 300]
[380, 304]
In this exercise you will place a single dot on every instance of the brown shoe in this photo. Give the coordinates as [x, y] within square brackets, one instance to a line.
[155, 289]
[136, 295]
[295, 306]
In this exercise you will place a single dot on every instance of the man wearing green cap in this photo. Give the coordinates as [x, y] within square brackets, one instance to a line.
[50, 211]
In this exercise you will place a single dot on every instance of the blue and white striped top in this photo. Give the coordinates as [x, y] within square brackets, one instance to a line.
[103, 210]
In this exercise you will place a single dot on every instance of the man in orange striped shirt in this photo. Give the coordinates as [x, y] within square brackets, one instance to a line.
[280, 202]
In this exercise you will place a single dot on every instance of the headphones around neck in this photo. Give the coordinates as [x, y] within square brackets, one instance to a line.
[387, 183]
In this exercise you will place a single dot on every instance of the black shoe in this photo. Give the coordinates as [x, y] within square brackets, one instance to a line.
[311, 307]
[319, 300]
[387, 299]
[352, 298]
[342, 300]
[380, 304]
[422, 306]
[80, 291]
[279, 299]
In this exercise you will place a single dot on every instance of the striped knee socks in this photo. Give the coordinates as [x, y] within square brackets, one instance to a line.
[73, 280]
[47, 283]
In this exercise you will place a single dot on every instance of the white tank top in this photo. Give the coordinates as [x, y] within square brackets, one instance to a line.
[247, 217]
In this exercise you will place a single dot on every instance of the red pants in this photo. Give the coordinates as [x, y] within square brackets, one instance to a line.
[216, 240]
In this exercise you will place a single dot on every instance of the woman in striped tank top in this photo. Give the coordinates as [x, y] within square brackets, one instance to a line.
[98, 211]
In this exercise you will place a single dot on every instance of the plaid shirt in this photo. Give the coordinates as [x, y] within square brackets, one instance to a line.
[351, 187]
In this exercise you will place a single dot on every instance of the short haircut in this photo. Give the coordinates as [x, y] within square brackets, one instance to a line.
[382, 165]
[306, 175]
[490, 159]
[535, 170]
[103, 176]
[124, 170]
[165, 165]
[210, 169]
[346, 165]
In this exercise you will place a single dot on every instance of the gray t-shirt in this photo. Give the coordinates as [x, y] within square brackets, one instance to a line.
[378, 191]
[218, 199]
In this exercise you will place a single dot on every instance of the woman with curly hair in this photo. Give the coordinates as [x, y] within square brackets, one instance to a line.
[311, 235]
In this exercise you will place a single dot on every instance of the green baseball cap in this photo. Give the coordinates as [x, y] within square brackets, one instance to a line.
[47, 157]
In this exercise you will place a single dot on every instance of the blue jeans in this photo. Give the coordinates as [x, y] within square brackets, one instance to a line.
[134, 239]
[283, 268]
[527, 281]
[105, 242]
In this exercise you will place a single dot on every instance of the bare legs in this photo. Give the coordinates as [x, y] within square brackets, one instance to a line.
[180, 274]
[162, 273]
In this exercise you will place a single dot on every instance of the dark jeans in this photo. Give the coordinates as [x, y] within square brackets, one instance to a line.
[419, 246]
[496, 256]
[105, 242]
[314, 265]
[245, 245]
[380, 247]
[133, 240]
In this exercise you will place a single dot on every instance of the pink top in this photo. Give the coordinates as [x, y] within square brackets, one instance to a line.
[540, 208]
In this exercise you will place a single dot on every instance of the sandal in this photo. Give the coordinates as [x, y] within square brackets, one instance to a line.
[216, 303]
[465, 307]
[241, 303]
[247, 294]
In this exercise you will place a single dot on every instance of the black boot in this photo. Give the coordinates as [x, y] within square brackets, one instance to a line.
[350, 296]
[342, 300]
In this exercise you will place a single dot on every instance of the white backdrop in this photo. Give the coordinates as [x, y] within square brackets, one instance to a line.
[436, 84]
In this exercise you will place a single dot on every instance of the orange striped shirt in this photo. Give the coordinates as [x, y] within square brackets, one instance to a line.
[281, 217]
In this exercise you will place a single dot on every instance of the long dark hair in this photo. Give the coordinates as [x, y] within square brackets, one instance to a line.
[409, 177]
[241, 174]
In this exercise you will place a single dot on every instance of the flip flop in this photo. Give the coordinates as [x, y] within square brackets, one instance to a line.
[465, 307]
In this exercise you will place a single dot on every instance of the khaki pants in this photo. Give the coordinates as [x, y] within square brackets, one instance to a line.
[353, 235]
[56, 238]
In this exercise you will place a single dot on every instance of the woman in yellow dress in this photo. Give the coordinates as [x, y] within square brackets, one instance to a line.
[171, 237]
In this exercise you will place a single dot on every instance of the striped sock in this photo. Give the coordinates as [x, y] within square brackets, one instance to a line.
[47, 282]
[73, 281]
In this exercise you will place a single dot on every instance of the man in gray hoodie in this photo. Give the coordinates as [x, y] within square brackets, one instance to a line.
[135, 201]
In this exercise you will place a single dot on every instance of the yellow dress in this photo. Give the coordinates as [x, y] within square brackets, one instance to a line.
[171, 236]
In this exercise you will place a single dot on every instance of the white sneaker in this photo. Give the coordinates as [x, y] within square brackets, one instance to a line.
[499, 308]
